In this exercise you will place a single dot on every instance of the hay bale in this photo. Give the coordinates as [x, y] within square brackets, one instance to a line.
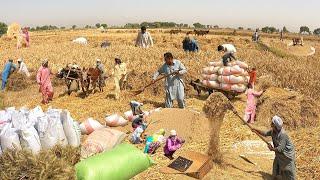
[18, 82]
[13, 30]
[295, 109]
[215, 108]
[51, 164]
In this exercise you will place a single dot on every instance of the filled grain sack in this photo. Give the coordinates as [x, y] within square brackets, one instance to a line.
[90, 125]
[210, 70]
[47, 134]
[211, 84]
[123, 162]
[232, 79]
[71, 129]
[35, 113]
[9, 138]
[30, 139]
[242, 64]
[129, 115]
[233, 87]
[55, 124]
[216, 63]
[226, 71]
[101, 140]
[5, 117]
[80, 40]
[210, 77]
[115, 120]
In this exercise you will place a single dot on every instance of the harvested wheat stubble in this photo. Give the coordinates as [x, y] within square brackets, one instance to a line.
[18, 82]
[190, 125]
[215, 108]
[57, 163]
[295, 109]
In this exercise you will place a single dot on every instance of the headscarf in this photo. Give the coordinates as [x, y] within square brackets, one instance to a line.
[173, 133]
[277, 121]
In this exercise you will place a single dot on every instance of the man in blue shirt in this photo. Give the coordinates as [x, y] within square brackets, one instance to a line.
[8, 69]
[174, 85]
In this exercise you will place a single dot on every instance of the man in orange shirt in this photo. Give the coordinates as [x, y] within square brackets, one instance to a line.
[253, 76]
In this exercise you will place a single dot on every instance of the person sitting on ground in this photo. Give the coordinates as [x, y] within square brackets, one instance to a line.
[173, 143]
[229, 53]
[137, 136]
[136, 108]
[105, 44]
[23, 68]
[154, 142]
[100, 66]
[138, 121]
[190, 44]
[120, 76]
[9, 68]
[250, 111]
[144, 39]
[253, 76]
[284, 162]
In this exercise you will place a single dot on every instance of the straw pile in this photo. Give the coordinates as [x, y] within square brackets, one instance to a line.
[215, 108]
[18, 82]
[295, 109]
[52, 164]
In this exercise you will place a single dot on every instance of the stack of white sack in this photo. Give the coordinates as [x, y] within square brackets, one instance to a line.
[233, 77]
[34, 129]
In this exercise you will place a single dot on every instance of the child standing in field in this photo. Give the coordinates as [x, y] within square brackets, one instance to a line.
[253, 76]
[250, 111]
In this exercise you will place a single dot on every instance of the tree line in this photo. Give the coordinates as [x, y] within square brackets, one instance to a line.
[197, 25]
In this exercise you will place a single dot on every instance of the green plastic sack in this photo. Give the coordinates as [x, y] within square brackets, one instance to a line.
[123, 162]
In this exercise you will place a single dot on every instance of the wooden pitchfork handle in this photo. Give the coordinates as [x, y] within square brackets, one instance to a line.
[150, 84]
[249, 125]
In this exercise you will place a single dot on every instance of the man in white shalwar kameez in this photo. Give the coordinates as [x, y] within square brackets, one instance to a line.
[22, 68]
[144, 39]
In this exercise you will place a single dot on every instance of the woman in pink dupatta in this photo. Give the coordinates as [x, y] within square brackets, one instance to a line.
[26, 36]
[44, 80]
[250, 111]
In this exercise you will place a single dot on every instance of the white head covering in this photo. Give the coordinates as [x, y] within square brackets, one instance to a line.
[98, 60]
[20, 60]
[277, 121]
[173, 132]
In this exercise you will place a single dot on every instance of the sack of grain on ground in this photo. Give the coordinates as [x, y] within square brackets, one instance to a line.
[101, 140]
[71, 129]
[115, 120]
[90, 125]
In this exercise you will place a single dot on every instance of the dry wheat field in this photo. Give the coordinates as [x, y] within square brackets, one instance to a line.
[281, 72]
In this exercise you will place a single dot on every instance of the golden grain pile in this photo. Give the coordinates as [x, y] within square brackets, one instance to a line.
[298, 73]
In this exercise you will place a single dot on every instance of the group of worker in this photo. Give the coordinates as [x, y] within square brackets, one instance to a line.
[173, 69]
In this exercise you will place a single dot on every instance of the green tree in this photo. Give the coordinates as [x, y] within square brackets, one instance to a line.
[185, 25]
[304, 29]
[62, 27]
[3, 28]
[268, 29]
[74, 27]
[317, 32]
[216, 27]
[98, 25]
[104, 26]
[240, 28]
[284, 30]
[198, 25]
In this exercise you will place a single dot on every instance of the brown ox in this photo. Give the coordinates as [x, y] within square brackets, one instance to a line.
[201, 32]
[175, 31]
[92, 76]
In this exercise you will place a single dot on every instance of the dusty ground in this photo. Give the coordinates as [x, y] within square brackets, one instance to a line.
[57, 47]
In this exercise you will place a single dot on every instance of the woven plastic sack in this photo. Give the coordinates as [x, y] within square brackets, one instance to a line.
[123, 162]
[101, 140]
[90, 125]
[115, 120]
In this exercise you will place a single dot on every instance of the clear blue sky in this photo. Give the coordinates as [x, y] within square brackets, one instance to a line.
[227, 13]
